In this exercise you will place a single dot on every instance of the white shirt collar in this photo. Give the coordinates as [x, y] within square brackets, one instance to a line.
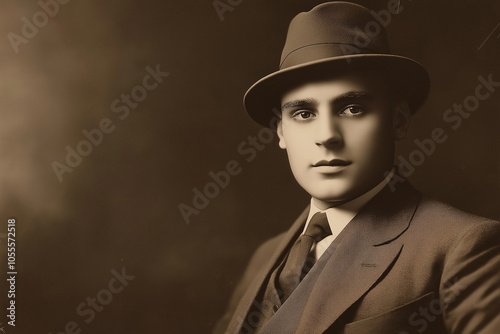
[340, 216]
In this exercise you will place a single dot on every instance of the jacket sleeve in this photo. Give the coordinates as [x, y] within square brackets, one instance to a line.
[470, 285]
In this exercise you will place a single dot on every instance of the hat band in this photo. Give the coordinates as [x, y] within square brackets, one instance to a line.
[320, 51]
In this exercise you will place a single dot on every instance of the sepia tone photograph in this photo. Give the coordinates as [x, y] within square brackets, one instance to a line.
[247, 166]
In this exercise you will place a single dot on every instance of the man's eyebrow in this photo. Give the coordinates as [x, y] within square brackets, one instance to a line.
[298, 103]
[354, 95]
[342, 98]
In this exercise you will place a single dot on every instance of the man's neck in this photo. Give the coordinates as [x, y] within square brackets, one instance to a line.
[356, 202]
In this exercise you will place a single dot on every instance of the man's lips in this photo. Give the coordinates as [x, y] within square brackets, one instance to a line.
[332, 163]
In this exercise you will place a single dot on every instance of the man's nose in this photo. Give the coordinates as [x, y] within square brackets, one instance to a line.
[328, 132]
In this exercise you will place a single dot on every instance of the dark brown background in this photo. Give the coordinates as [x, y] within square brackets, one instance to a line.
[119, 208]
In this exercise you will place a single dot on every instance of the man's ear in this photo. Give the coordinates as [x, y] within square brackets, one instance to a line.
[401, 120]
[279, 131]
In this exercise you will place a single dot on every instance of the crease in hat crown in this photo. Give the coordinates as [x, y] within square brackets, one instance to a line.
[327, 39]
[323, 27]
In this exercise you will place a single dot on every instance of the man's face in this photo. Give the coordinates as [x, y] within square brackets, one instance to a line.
[339, 135]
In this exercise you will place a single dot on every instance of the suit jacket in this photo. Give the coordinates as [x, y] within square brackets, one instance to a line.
[405, 264]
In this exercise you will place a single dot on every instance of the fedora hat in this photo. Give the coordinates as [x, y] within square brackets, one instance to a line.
[334, 38]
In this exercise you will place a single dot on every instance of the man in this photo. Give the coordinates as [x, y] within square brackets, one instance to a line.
[370, 254]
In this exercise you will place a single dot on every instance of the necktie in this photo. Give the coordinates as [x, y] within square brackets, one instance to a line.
[297, 265]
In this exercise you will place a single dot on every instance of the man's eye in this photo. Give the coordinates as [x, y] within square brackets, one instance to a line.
[302, 115]
[352, 111]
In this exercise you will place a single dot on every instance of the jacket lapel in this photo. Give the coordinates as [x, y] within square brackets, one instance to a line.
[261, 277]
[358, 257]
[351, 266]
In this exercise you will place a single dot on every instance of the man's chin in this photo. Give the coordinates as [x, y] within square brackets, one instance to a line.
[331, 199]
[331, 190]
[335, 195]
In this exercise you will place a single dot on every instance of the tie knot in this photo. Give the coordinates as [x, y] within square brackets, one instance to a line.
[318, 227]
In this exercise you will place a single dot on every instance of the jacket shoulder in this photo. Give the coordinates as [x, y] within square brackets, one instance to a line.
[470, 266]
[439, 215]
[443, 233]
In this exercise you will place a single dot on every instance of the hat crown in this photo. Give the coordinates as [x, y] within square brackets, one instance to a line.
[332, 29]
[330, 39]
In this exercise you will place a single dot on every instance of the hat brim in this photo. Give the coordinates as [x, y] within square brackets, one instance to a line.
[411, 80]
